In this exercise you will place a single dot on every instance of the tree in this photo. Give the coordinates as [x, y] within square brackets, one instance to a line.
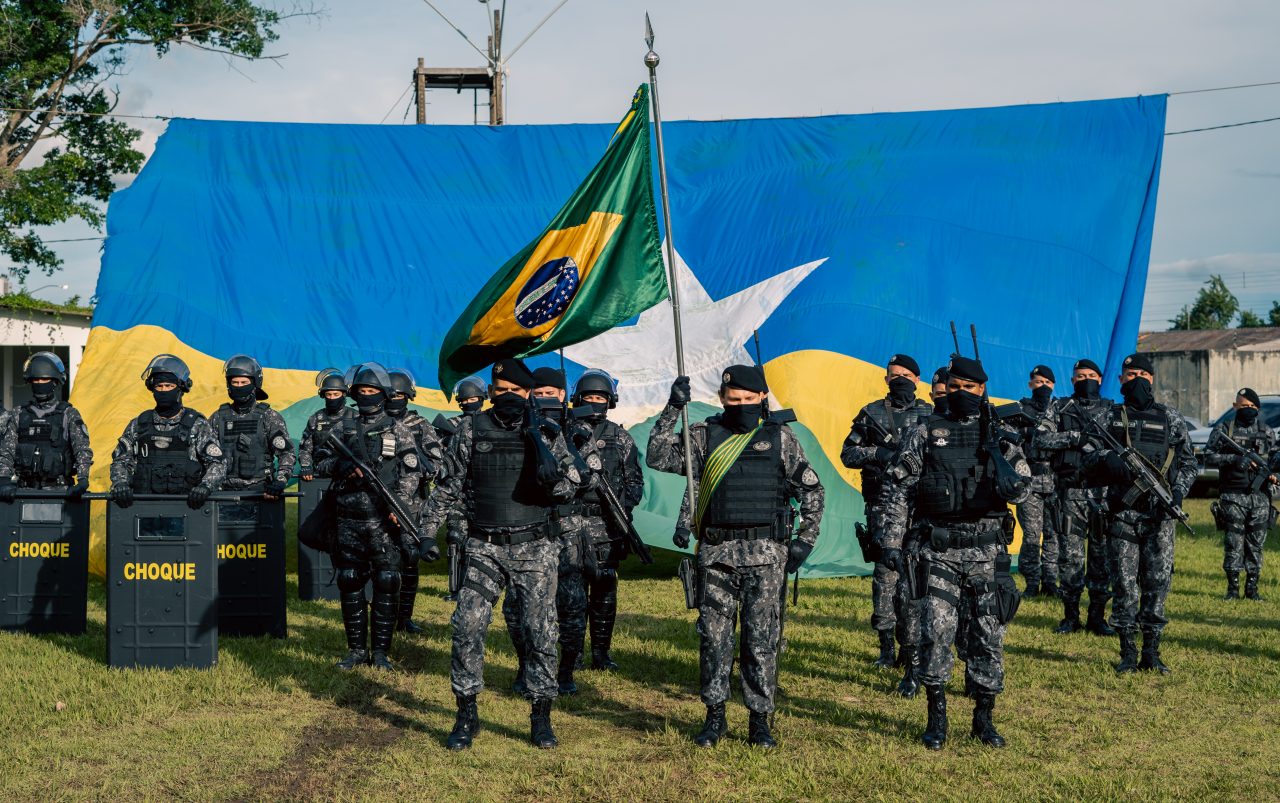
[1274, 315]
[59, 156]
[1249, 318]
[1214, 308]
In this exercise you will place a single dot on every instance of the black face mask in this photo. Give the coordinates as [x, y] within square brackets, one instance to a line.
[962, 403]
[43, 391]
[471, 407]
[1040, 397]
[334, 406]
[240, 396]
[508, 406]
[371, 404]
[168, 402]
[742, 417]
[940, 405]
[598, 409]
[1246, 416]
[397, 407]
[1137, 393]
[555, 413]
[902, 391]
[1086, 389]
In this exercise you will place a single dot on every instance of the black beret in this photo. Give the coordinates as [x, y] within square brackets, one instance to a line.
[514, 371]
[1140, 362]
[1044, 371]
[1087, 363]
[548, 377]
[905, 361]
[1251, 395]
[744, 377]
[941, 376]
[967, 368]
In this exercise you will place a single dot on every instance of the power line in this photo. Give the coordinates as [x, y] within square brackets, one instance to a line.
[1222, 88]
[1217, 127]
[87, 114]
[397, 103]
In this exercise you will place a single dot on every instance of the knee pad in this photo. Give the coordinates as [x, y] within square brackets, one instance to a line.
[386, 581]
[351, 579]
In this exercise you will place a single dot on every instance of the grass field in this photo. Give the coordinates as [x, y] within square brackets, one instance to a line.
[275, 720]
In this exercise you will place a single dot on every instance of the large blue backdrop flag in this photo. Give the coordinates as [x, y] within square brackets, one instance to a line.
[842, 240]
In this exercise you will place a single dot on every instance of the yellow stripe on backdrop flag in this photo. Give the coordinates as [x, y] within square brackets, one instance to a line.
[109, 393]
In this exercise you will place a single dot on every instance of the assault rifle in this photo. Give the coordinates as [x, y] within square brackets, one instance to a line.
[404, 518]
[1146, 481]
[1264, 469]
[991, 435]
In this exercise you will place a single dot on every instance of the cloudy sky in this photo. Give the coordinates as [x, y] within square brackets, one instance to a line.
[1219, 195]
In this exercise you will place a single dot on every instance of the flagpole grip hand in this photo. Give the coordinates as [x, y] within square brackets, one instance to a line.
[680, 393]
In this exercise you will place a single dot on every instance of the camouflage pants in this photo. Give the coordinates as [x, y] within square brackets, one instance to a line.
[908, 611]
[571, 593]
[884, 586]
[1142, 561]
[1038, 557]
[529, 572]
[1080, 530]
[953, 575]
[753, 593]
[1247, 518]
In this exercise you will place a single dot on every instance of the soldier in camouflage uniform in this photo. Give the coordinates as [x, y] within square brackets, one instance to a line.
[1038, 557]
[371, 544]
[1080, 505]
[867, 448]
[749, 467]
[469, 394]
[44, 443]
[938, 390]
[1244, 515]
[431, 458]
[255, 440]
[332, 387]
[960, 504]
[170, 449]
[619, 459]
[512, 469]
[1141, 531]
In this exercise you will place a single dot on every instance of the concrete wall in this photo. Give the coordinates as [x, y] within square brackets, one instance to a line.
[1232, 370]
[1203, 384]
[24, 332]
[1183, 381]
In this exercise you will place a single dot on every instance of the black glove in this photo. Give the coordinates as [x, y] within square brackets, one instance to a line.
[797, 554]
[892, 558]
[1114, 467]
[8, 491]
[548, 469]
[76, 492]
[122, 495]
[197, 496]
[680, 393]
[428, 549]
[681, 538]
[274, 488]
[884, 455]
[1010, 488]
[1177, 499]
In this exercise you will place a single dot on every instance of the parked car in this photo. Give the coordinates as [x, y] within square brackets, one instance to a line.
[1200, 438]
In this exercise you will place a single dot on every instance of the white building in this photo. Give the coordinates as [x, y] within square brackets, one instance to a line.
[24, 331]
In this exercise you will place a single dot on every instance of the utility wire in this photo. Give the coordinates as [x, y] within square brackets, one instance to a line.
[397, 103]
[1222, 88]
[1217, 127]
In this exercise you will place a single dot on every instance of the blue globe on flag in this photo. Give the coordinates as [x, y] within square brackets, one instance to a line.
[547, 293]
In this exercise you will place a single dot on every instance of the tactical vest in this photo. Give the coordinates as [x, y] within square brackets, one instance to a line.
[607, 444]
[896, 421]
[1231, 477]
[753, 492]
[502, 479]
[1147, 432]
[320, 424]
[164, 457]
[958, 483]
[1069, 463]
[44, 452]
[1037, 458]
[246, 461]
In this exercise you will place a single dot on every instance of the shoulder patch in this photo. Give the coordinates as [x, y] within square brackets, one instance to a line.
[214, 450]
[762, 446]
[279, 443]
[593, 462]
[809, 477]
[940, 432]
[411, 459]
[484, 446]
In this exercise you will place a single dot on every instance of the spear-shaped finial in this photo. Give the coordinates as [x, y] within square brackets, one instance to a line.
[648, 31]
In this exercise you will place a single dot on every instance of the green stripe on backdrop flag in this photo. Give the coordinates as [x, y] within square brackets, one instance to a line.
[596, 264]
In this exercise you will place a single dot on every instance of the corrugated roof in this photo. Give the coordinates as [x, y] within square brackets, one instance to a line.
[1263, 338]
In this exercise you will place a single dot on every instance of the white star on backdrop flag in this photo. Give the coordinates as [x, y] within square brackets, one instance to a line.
[642, 357]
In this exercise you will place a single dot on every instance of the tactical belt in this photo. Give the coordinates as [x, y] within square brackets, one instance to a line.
[941, 539]
[510, 539]
[713, 536]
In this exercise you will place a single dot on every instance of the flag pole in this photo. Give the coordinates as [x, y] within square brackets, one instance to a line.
[651, 61]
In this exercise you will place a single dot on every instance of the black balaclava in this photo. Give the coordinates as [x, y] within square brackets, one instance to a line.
[43, 392]
[742, 417]
[334, 406]
[940, 405]
[1040, 397]
[168, 402]
[1086, 389]
[371, 404]
[396, 408]
[1247, 415]
[902, 391]
[508, 407]
[962, 403]
[471, 407]
[242, 396]
[599, 410]
[1137, 393]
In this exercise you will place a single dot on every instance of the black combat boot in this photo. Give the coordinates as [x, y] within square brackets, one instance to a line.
[540, 733]
[1128, 653]
[1251, 588]
[408, 595]
[909, 686]
[1070, 615]
[1233, 586]
[564, 676]
[355, 620]
[935, 730]
[1048, 589]
[1033, 589]
[758, 731]
[713, 728]
[1097, 622]
[603, 607]
[467, 724]
[886, 659]
[984, 730]
[1151, 653]
[518, 685]
[384, 627]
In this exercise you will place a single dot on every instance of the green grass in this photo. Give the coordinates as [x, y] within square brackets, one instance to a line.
[275, 720]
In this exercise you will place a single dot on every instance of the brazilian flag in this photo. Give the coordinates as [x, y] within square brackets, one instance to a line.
[597, 263]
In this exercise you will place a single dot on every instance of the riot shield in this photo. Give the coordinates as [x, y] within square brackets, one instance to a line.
[44, 564]
[316, 577]
[251, 578]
